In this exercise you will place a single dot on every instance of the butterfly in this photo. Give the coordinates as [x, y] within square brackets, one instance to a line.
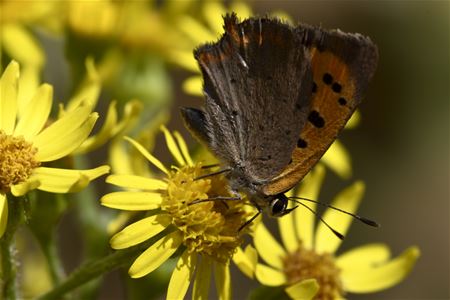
[276, 98]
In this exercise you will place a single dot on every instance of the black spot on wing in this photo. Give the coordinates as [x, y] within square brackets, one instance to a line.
[301, 143]
[342, 101]
[327, 78]
[316, 119]
[336, 87]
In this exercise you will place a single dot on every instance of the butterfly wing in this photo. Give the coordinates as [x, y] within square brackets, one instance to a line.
[257, 84]
[342, 65]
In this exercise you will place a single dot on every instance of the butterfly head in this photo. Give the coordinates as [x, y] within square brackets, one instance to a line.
[278, 206]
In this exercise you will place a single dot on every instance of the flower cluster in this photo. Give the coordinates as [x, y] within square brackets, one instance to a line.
[28, 140]
[208, 231]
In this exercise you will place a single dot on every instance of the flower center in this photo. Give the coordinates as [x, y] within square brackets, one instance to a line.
[17, 160]
[210, 227]
[305, 264]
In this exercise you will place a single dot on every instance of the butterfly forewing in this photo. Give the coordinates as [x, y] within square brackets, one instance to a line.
[258, 84]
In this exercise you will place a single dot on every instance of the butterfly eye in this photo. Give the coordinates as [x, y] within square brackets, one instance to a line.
[278, 207]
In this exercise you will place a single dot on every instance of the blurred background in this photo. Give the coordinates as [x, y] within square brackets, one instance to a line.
[400, 148]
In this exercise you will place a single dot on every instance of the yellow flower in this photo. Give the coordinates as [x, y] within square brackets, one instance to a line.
[27, 141]
[206, 231]
[133, 24]
[308, 254]
[113, 126]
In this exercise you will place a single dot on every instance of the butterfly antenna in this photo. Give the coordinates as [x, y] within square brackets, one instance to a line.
[336, 233]
[213, 174]
[359, 218]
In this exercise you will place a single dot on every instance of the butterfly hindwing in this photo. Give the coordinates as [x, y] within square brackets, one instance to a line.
[257, 84]
[342, 65]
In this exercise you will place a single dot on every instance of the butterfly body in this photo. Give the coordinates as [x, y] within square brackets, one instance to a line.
[276, 98]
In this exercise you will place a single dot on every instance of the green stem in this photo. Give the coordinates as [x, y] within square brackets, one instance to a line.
[96, 268]
[55, 265]
[7, 248]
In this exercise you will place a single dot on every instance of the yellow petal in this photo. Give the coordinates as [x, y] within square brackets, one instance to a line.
[21, 45]
[64, 180]
[304, 219]
[268, 248]
[246, 260]
[28, 84]
[193, 86]
[194, 30]
[202, 279]
[130, 116]
[3, 213]
[269, 276]
[155, 255]
[104, 134]
[8, 97]
[182, 276]
[363, 257]
[382, 276]
[119, 157]
[137, 182]
[88, 94]
[65, 144]
[173, 147]
[304, 290]
[156, 162]
[119, 221]
[59, 139]
[184, 59]
[287, 229]
[354, 120]
[24, 187]
[241, 9]
[68, 123]
[132, 200]
[213, 11]
[139, 231]
[223, 280]
[348, 200]
[338, 160]
[36, 113]
[183, 147]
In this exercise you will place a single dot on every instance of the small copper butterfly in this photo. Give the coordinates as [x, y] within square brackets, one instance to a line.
[276, 98]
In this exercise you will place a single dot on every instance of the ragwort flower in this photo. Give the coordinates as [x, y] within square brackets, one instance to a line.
[27, 141]
[206, 231]
[113, 126]
[307, 254]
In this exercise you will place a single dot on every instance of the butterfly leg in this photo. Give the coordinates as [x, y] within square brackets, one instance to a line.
[218, 198]
[213, 174]
[210, 166]
[222, 199]
[249, 221]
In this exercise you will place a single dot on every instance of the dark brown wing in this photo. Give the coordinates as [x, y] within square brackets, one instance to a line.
[257, 83]
[342, 65]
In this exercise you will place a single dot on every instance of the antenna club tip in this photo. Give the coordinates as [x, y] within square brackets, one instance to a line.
[338, 234]
[370, 222]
